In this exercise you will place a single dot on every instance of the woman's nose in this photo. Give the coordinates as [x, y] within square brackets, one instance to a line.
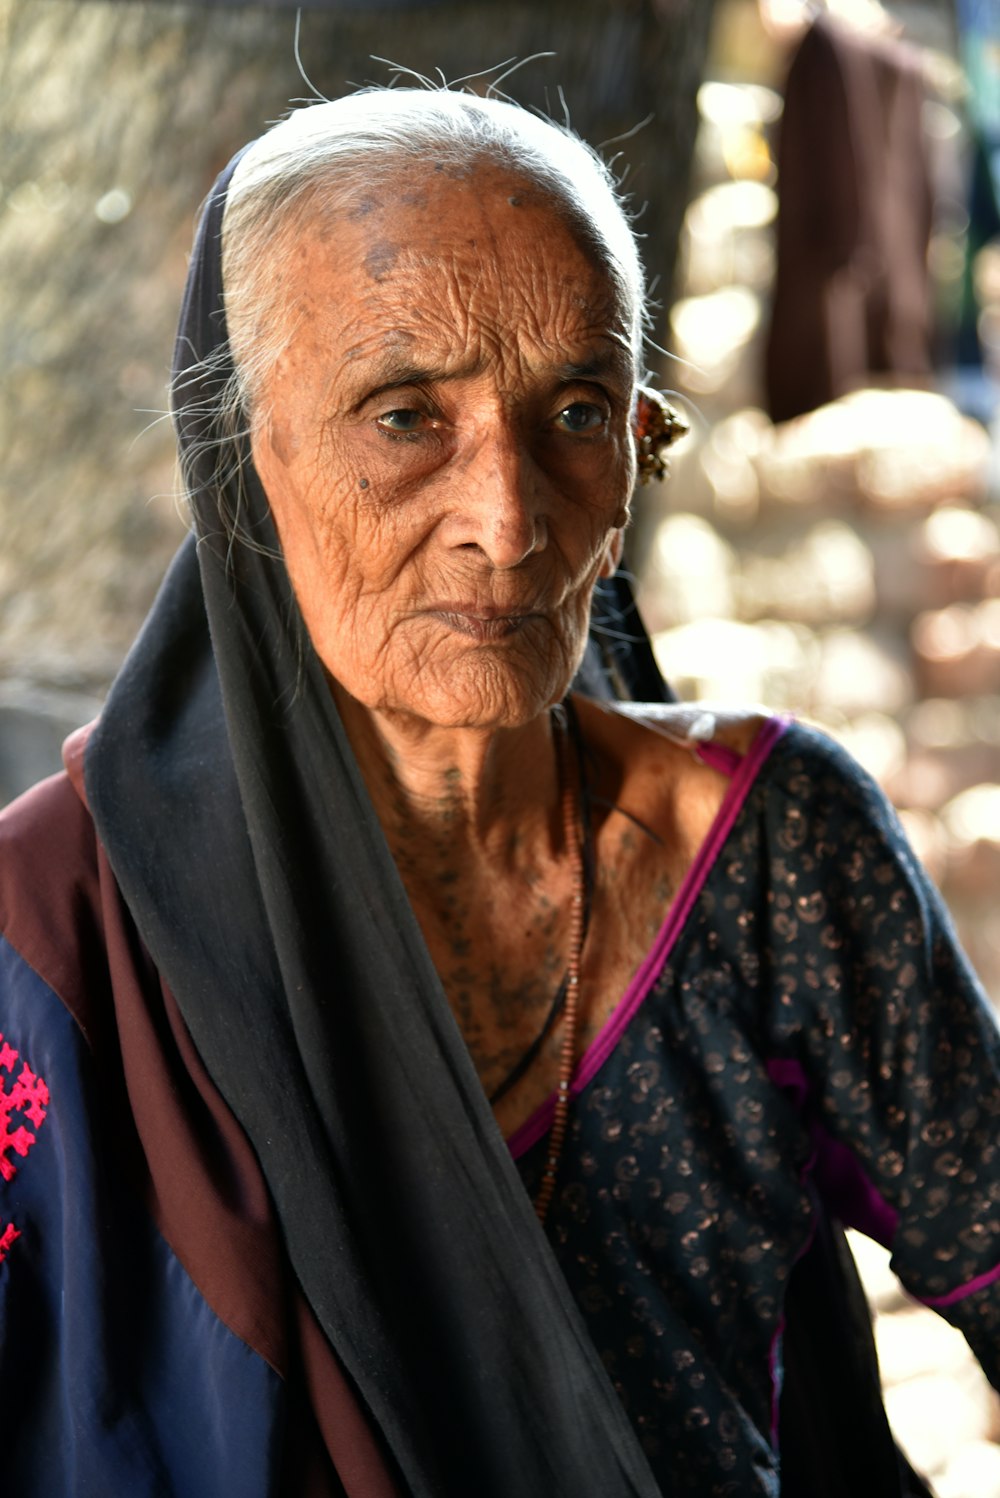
[499, 506]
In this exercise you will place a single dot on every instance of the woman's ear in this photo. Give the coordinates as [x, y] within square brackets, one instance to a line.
[656, 426]
[614, 547]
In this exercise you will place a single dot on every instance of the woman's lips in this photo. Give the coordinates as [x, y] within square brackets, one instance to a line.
[485, 625]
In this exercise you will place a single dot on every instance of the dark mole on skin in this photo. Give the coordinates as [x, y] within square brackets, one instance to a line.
[458, 171]
[381, 258]
[514, 202]
[362, 483]
[362, 208]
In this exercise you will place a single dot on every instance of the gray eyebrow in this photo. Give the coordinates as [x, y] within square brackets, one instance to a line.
[614, 361]
[391, 373]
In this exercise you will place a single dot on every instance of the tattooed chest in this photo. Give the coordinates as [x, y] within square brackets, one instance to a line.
[500, 1006]
[502, 961]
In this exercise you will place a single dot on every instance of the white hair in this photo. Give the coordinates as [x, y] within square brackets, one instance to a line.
[322, 155]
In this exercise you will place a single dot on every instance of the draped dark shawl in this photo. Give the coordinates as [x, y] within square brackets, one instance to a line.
[239, 828]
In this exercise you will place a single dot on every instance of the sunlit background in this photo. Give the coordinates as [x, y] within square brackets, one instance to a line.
[843, 564]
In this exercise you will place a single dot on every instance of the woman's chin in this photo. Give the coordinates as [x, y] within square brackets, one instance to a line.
[488, 695]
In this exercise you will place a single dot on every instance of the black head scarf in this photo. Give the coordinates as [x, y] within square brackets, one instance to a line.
[236, 820]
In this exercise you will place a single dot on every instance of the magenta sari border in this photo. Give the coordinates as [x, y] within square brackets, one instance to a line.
[979, 1283]
[617, 1022]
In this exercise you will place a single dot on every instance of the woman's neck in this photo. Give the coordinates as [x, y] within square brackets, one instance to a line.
[477, 792]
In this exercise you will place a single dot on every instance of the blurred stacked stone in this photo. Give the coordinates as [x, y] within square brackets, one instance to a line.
[937, 1399]
[844, 566]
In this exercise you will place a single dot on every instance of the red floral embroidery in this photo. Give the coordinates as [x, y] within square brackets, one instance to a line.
[7, 1237]
[29, 1096]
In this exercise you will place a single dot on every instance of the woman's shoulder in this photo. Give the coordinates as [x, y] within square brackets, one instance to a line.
[796, 752]
[684, 760]
[710, 734]
[51, 896]
[674, 767]
[47, 838]
[693, 725]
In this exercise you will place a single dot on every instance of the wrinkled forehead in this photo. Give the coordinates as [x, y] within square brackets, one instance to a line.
[437, 232]
[431, 248]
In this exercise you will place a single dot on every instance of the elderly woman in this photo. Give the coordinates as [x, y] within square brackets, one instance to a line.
[422, 1075]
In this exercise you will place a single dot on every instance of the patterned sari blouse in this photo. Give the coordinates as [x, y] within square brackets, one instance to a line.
[804, 1029]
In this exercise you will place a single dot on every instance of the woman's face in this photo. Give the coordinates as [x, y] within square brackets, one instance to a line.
[446, 447]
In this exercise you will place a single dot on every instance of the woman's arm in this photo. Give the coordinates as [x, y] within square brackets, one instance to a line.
[880, 1025]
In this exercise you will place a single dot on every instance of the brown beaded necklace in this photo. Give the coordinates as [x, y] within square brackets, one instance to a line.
[577, 925]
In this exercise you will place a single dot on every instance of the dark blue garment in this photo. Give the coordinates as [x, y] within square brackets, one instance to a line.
[117, 1378]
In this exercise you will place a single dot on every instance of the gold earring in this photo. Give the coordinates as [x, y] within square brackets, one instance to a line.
[658, 425]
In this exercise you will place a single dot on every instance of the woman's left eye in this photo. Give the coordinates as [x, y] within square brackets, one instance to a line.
[582, 416]
[402, 422]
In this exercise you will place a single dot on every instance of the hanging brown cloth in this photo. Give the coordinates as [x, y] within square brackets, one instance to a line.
[852, 294]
